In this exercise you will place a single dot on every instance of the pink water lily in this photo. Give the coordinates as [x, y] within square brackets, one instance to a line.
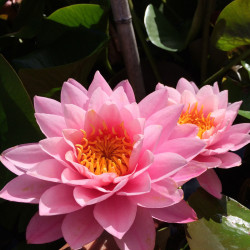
[208, 114]
[106, 164]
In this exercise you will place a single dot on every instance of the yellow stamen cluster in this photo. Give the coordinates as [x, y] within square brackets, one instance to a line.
[105, 150]
[196, 117]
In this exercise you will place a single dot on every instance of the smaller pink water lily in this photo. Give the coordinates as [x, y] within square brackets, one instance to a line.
[106, 164]
[208, 114]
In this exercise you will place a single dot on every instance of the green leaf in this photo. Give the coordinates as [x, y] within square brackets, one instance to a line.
[17, 107]
[223, 224]
[244, 113]
[161, 32]
[232, 26]
[77, 15]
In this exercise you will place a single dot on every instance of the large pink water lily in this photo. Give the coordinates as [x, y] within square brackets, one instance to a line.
[208, 114]
[106, 164]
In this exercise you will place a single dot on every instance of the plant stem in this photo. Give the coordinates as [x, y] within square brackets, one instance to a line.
[123, 20]
[209, 5]
[140, 34]
[223, 70]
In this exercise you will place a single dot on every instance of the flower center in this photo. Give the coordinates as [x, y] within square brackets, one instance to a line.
[105, 151]
[196, 117]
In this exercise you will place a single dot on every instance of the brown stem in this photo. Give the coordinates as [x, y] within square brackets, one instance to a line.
[123, 21]
[209, 5]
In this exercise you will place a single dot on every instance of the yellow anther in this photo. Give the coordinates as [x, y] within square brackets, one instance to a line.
[196, 117]
[105, 152]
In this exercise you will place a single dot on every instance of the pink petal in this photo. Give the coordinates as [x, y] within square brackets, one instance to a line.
[97, 99]
[55, 147]
[51, 125]
[216, 88]
[48, 170]
[165, 165]
[130, 112]
[119, 97]
[153, 102]
[78, 85]
[106, 111]
[87, 196]
[218, 116]
[141, 235]
[58, 200]
[72, 177]
[173, 95]
[178, 213]
[184, 84]
[138, 185]
[208, 161]
[80, 228]
[159, 86]
[127, 89]
[135, 126]
[74, 116]
[25, 188]
[99, 81]
[205, 91]
[72, 137]
[44, 229]
[229, 160]
[210, 104]
[11, 166]
[186, 147]
[196, 89]
[163, 193]
[71, 94]
[232, 112]
[223, 99]
[135, 154]
[167, 118]
[116, 215]
[240, 128]
[211, 183]
[152, 135]
[184, 130]
[25, 156]
[47, 106]
[188, 172]
[230, 141]
[188, 98]
[144, 163]
[92, 119]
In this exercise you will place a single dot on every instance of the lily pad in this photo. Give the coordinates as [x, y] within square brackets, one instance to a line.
[232, 26]
[161, 32]
[222, 224]
[77, 15]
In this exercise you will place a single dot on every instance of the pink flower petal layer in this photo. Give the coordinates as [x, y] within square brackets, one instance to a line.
[44, 229]
[141, 235]
[80, 228]
[58, 200]
[25, 188]
[116, 215]
[25, 156]
[163, 193]
[178, 213]
[211, 183]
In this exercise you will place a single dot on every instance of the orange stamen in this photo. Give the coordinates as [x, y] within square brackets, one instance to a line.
[196, 117]
[107, 151]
